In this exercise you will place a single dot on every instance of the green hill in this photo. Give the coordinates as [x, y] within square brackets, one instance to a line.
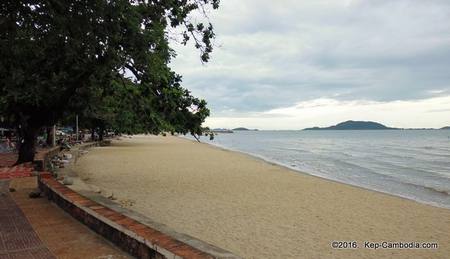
[354, 125]
[244, 129]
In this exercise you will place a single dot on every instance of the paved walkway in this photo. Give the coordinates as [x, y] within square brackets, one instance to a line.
[64, 236]
[17, 237]
[15, 171]
[37, 228]
[7, 159]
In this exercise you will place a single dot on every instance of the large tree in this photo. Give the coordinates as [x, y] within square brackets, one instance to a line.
[118, 109]
[94, 56]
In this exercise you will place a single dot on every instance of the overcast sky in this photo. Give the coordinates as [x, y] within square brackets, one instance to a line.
[292, 64]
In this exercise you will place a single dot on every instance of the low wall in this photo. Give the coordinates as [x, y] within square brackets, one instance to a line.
[42, 158]
[94, 144]
[132, 234]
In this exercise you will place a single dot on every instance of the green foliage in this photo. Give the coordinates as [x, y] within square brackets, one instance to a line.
[127, 109]
[58, 58]
[64, 57]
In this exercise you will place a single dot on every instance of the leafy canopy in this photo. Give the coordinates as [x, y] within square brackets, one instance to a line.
[62, 57]
[58, 58]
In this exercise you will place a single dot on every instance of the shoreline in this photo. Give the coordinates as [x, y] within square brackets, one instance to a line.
[255, 208]
[296, 170]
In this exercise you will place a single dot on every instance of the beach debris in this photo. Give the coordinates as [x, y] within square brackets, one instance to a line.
[60, 161]
[112, 197]
[34, 194]
[66, 146]
[108, 194]
[96, 189]
[51, 166]
[127, 203]
[106, 142]
[67, 181]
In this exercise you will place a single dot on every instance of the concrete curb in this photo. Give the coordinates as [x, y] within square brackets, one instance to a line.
[131, 231]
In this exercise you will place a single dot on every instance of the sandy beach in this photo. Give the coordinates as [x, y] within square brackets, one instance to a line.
[256, 209]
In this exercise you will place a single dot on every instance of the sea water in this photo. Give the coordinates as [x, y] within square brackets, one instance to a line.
[413, 164]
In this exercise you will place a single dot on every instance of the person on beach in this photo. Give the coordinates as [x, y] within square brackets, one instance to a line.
[9, 143]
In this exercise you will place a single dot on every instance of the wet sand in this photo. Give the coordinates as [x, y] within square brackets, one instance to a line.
[256, 209]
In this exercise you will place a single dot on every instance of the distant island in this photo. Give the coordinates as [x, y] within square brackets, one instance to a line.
[244, 129]
[355, 125]
[225, 130]
[445, 128]
[221, 130]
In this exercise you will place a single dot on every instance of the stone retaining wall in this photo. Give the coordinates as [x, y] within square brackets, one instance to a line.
[42, 158]
[131, 234]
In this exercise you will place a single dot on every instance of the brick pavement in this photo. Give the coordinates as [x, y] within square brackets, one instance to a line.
[37, 228]
[7, 159]
[64, 236]
[18, 171]
[17, 238]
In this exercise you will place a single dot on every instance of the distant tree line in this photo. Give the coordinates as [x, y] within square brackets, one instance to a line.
[106, 61]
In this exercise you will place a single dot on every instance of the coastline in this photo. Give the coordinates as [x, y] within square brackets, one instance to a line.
[256, 208]
[296, 170]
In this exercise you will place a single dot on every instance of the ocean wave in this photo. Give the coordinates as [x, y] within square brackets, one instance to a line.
[436, 190]
[443, 191]
[410, 168]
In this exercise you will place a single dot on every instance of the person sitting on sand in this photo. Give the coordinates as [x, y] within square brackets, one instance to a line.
[9, 143]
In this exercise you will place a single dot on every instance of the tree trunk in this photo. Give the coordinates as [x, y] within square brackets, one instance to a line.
[27, 146]
[101, 133]
[49, 139]
[93, 134]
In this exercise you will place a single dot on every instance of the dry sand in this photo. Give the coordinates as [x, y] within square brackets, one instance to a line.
[256, 209]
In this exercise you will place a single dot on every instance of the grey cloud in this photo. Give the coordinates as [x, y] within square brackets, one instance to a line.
[277, 53]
